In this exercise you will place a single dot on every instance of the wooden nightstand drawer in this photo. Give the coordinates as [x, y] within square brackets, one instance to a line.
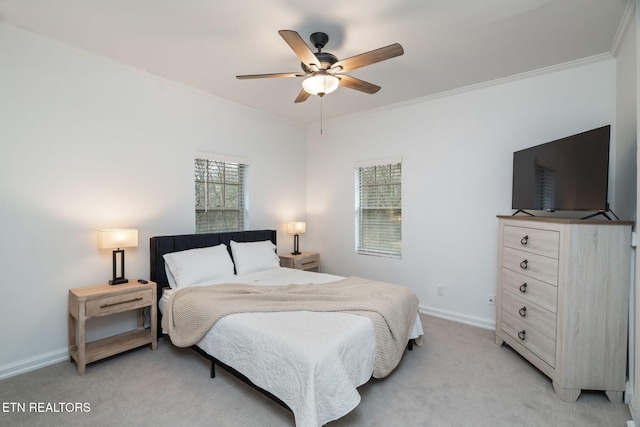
[118, 303]
[305, 261]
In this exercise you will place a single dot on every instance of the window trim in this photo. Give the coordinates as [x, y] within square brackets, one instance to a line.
[357, 195]
[221, 158]
[200, 155]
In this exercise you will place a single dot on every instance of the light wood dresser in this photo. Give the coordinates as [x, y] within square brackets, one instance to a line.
[563, 299]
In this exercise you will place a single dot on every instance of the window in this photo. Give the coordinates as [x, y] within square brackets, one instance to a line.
[379, 207]
[220, 193]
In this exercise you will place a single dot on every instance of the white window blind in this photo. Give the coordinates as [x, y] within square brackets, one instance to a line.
[220, 195]
[379, 207]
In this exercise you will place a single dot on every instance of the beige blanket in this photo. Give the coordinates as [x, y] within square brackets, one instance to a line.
[192, 311]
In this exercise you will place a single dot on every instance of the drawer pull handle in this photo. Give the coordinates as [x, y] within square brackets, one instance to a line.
[524, 264]
[523, 311]
[308, 262]
[523, 288]
[524, 240]
[121, 302]
[522, 334]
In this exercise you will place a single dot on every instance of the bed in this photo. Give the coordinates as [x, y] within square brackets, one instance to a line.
[309, 361]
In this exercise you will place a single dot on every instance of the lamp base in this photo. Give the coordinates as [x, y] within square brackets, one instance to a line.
[118, 280]
[296, 245]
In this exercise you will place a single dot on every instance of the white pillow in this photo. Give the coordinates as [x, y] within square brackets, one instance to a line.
[170, 279]
[195, 266]
[254, 256]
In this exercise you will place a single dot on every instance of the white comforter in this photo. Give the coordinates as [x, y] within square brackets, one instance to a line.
[312, 361]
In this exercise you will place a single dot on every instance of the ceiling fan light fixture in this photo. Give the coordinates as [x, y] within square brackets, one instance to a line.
[321, 84]
[320, 68]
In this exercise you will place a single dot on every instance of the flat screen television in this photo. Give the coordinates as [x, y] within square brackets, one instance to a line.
[568, 174]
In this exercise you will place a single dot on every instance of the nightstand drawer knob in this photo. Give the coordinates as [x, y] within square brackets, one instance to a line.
[524, 264]
[523, 288]
[522, 334]
[523, 311]
[524, 240]
[121, 302]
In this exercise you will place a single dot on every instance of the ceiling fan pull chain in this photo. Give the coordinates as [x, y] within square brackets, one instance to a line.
[321, 114]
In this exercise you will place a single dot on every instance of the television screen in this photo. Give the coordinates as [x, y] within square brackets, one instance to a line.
[569, 174]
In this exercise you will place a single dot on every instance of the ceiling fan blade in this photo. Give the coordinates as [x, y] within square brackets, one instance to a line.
[300, 48]
[357, 84]
[369, 58]
[267, 76]
[302, 96]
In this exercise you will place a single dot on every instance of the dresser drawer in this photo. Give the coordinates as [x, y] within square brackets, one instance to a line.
[532, 339]
[534, 240]
[536, 291]
[118, 303]
[532, 265]
[530, 314]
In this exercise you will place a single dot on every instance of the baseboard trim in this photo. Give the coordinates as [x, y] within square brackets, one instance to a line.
[478, 322]
[33, 363]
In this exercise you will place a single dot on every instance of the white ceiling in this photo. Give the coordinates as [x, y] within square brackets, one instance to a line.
[448, 44]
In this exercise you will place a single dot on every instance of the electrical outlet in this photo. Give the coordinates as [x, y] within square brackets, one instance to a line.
[491, 299]
[439, 290]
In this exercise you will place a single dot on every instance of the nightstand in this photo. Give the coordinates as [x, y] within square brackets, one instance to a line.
[309, 261]
[104, 300]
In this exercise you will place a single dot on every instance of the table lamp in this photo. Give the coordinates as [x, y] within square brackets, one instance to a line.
[118, 238]
[296, 228]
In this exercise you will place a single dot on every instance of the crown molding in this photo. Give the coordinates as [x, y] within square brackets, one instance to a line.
[627, 17]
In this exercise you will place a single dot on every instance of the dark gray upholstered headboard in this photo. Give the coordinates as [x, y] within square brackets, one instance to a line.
[161, 245]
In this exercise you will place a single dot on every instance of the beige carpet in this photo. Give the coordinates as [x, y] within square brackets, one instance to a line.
[459, 377]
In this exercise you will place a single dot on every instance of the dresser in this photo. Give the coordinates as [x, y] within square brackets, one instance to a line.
[563, 299]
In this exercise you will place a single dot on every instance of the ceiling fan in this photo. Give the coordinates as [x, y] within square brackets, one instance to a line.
[323, 69]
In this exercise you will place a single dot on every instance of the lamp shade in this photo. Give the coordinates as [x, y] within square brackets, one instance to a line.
[117, 238]
[321, 84]
[296, 227]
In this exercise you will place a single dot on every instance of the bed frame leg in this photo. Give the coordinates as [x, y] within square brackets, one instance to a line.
[213, 369]
[410, 344]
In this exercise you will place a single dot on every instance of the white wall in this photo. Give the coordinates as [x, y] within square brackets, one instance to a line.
[457, 160]
[626, 129]
[88, 144]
